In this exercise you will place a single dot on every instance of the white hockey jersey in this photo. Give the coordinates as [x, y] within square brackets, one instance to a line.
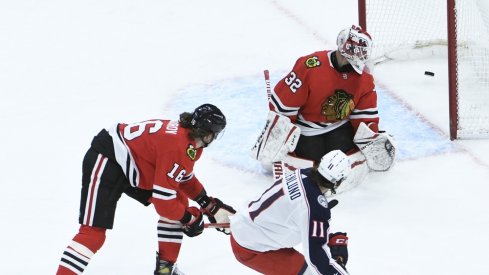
[292, 211]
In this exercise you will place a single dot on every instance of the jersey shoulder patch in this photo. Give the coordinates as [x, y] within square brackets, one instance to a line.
[312, 62]
[191, 152]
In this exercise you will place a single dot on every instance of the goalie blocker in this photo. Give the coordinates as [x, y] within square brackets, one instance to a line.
[278, 138]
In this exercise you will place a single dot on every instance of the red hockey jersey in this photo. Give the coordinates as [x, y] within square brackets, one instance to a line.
[319, 99]
[158, 155]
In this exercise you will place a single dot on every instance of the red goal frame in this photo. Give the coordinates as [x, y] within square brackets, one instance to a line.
[452, 60]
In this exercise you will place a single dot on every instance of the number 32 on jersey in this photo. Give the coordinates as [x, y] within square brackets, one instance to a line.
[293, 82]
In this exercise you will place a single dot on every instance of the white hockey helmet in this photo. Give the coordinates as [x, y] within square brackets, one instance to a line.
[335, 166]
[355, 45]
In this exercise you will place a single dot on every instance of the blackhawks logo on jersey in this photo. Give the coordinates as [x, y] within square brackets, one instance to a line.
[312, 62]
[338, 106]
[191, 152]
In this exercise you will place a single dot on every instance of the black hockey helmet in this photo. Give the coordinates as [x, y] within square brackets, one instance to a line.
[207, 119]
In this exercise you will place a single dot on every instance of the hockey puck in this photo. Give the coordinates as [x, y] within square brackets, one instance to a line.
[429, 73]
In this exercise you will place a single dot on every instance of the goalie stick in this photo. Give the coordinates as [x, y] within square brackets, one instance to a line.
[294, 161]
[216, 225]
[266, 73]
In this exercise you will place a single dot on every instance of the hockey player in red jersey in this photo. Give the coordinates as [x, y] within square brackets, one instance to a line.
[152, 162]
[293, 211]
[328, 94]
[328, 102]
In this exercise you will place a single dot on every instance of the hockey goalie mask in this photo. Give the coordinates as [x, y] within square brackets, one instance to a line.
[355, 45]
[335, 167]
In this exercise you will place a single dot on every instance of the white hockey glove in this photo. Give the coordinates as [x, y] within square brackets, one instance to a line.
[216, 211]
[379, 149]
[278, 138]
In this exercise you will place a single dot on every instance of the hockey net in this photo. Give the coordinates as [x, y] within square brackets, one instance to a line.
[456, 29]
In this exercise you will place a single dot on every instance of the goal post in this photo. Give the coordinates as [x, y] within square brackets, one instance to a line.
[455, 29]
[452, 69]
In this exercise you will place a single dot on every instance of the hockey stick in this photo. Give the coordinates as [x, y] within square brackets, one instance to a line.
[294, 161]
[267, 83]
[216, 225]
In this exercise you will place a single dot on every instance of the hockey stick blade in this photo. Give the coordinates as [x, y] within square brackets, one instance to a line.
[216, 225]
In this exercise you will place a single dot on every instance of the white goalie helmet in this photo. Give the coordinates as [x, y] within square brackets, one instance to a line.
[356, 46]
[335, 166]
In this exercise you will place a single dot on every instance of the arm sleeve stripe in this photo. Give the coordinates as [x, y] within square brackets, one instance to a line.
[163, 193]
[187, 177]
[313, 125]
[280, 107]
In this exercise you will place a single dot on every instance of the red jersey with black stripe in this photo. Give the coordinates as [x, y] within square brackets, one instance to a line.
[318, 98]
[159, 155]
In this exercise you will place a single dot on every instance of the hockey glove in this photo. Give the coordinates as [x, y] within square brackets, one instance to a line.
[379, 148]
[216, 211]
[193, 222]
[279, 137]
[338, 245]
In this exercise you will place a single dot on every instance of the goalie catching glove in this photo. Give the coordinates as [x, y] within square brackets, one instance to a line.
[278, 138]
[216, 211]
[379, 149]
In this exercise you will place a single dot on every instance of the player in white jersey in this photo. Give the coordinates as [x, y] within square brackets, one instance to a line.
[292, 211]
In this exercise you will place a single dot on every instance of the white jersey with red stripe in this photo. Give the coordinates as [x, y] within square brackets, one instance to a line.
[292, 211]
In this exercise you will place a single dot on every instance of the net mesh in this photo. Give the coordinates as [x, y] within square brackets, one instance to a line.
[414, 29]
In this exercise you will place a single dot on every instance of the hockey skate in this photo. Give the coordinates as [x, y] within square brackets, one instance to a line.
[166, 268]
